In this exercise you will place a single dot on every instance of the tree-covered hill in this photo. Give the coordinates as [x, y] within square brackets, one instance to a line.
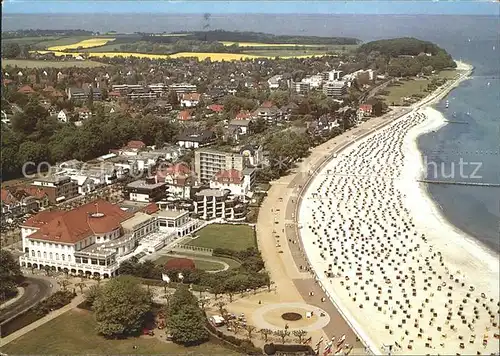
[401, 46]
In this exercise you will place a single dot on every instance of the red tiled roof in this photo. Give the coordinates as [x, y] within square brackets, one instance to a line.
[184, 115]
[216, 107]
[34, 192]
[150, 209]
[177, 171]
[267, 104]
[191, 96]
[96, 217]
[242, 115]
[26, 89]
[42, 218]
[7, 197]
[136, 144]
[365, 107]
[231, 175]
[114, 93]
[7, 81]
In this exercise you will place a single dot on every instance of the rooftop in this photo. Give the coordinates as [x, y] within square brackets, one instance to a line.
[137, 219]
[143, 185]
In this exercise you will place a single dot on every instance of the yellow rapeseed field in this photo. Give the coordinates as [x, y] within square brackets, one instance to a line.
[93, 42]
[258, 44]
[200, 56]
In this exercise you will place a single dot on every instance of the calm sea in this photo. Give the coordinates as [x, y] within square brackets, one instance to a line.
[474, 39]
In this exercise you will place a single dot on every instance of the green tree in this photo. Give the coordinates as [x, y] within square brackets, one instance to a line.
[300, 334]
[265, 333]
[121, 307]
[283, 334]
[186, 322]
[11, 50]
[10, 274]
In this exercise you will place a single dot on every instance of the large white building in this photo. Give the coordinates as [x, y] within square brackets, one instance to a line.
[87, 240]
[239, 183]
[95, 238]
[214, 203]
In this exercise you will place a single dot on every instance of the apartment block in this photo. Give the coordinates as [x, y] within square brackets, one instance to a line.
[208, 162]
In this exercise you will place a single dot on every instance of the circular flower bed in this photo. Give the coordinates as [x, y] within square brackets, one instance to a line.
[291, 316]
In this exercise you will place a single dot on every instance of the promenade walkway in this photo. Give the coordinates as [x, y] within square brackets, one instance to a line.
[17, 334]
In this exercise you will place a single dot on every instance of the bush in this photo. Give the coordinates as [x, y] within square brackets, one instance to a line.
[269, 349]
[55, 301]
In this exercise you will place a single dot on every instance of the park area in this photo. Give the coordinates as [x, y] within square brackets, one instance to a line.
[228, 236]
[413, 89]
[74, 333]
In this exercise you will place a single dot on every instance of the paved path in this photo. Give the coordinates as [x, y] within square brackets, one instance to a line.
[262, 323]
[277, 233]
[20, 293]
[17, 334]
[36, 289]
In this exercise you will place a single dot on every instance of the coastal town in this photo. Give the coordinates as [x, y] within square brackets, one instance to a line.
[247, 205]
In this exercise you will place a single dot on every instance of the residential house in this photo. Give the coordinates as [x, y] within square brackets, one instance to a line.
[267, 111]
[365, 110]
[253, 155]
[274, 82]
[26, 89]
[241, 126]
[190, 100]
[287, 111]
[85, 184]
[57, 188]
[179, 179]
[239, 183]
[181, 88]
[323, 125]
[160, 107]
[146, 190]
[83, 113]
[63, 116]
[195, 138]
[184, 115]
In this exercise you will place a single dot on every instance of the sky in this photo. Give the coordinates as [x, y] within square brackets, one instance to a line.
[457, 7]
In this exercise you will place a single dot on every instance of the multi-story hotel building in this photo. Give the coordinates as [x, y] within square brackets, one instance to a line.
[335, 88]
[90, 240]
[214, 203]
[208, 162]
[57, 188]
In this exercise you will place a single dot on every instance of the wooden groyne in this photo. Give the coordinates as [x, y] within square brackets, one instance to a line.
[479, 184]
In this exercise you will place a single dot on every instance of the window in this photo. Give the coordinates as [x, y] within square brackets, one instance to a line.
[38, 253]
[63, 257]
[77, 259]
[57, 256]
[69, 258]
[44, 254]
[50, 255]
[33, 253]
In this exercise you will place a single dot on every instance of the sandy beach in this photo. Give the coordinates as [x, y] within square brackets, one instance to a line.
[407, 281]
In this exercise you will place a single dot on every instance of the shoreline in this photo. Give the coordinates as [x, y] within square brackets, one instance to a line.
[440, 219]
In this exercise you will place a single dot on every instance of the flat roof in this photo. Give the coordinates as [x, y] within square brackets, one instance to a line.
[142, 184]
[171, 213]
[211, 193]
[135, 220]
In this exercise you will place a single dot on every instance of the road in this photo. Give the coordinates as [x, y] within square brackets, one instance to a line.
[36, 290]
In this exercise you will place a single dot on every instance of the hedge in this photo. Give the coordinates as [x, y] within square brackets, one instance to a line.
[271, 349]
[244, 346]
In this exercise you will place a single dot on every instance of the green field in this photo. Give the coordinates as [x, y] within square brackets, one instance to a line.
[73, 333]
[234, 237]
[407, 88]
[27, 63]
[30, 40]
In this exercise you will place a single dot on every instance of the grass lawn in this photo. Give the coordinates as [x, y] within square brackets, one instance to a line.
[74, 333]
[30, 40]
[234, 237]
[200, 264]
[407, 88]
[27, 63]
